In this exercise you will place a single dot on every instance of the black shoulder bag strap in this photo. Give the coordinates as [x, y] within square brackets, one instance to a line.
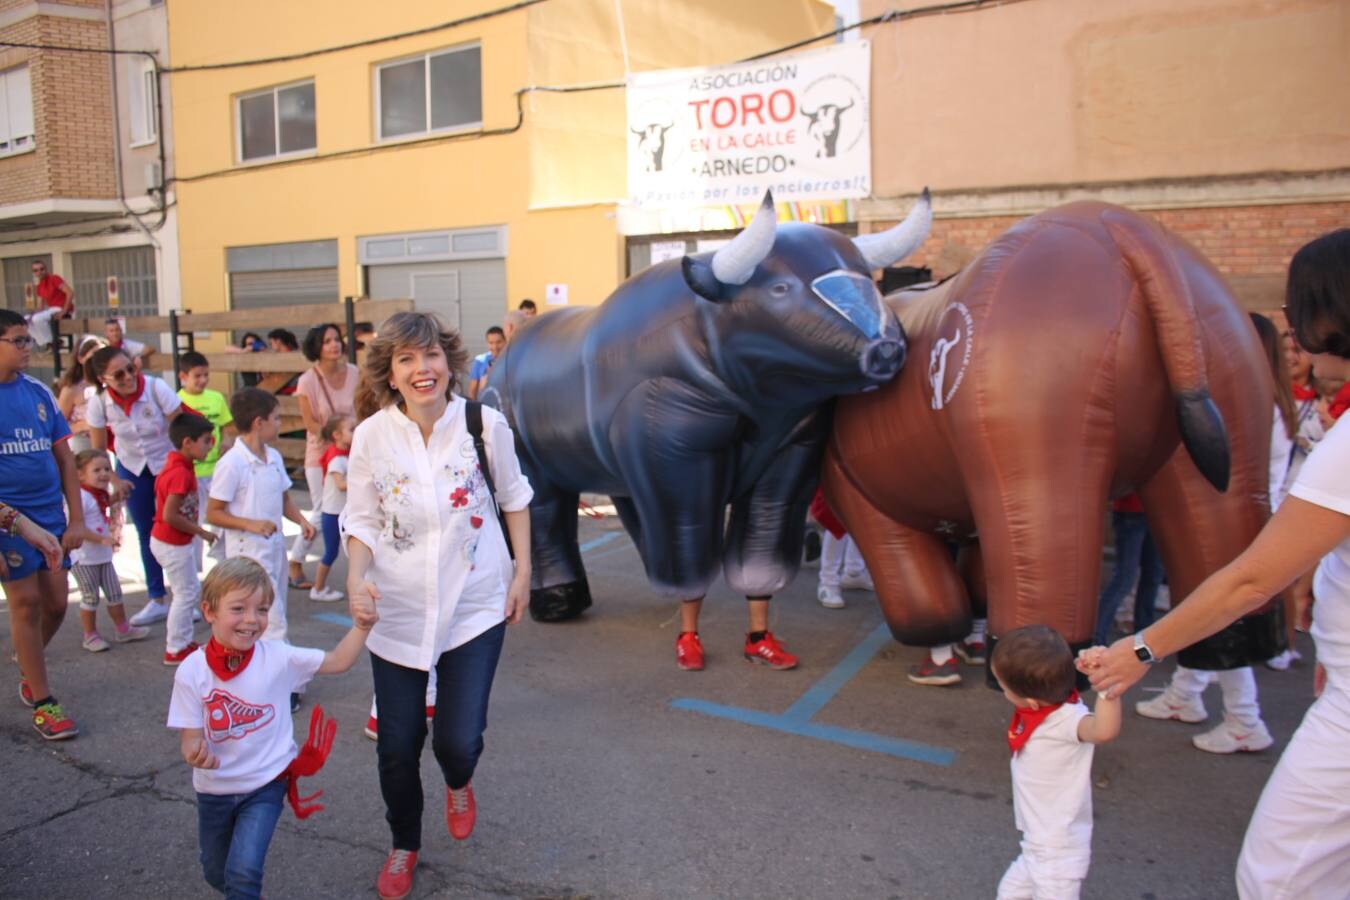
[473, 418]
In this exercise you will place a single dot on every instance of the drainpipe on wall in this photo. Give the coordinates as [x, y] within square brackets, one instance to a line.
[117, 137]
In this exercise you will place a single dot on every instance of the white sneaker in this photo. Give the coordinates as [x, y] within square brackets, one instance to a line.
[1172, 705]
[1231, 737]
[325, 595]
[829, 597]
[860, 582]
[153, 611]
[1284, 660]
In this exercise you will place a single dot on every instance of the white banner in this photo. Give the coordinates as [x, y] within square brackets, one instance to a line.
[797, 125]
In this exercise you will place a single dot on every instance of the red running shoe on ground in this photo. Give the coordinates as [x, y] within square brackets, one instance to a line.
[51, 721]
[26, 692]
[396, 875]
[768, 652]
[929, 672]
[689, 651]
[173, 659]
[461, 811]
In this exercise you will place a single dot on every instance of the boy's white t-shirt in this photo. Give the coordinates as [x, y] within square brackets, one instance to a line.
[334, 499]
[90, 553]
[1323, 481]
[246, 720]
[252, 488]
[1052, 785]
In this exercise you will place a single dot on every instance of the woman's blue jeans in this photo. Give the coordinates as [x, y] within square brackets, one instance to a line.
[141, 506]
[463, 682]
[234, 831]
[1136, 557]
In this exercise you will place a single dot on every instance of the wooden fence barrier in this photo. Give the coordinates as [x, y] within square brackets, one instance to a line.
[276, 368]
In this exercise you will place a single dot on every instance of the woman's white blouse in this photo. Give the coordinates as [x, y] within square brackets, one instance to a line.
[143, 436]
[440, 560]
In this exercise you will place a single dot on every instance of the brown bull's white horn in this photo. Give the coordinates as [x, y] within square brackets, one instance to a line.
[736, 262]
[889, 247]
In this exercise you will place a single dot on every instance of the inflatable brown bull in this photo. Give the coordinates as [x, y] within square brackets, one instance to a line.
[1085, 353]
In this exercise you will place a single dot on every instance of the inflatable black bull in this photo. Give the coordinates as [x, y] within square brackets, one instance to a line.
[697, 384]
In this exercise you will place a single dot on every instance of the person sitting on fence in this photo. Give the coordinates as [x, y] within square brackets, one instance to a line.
[325, 390]
[56, 298]
[136, 409]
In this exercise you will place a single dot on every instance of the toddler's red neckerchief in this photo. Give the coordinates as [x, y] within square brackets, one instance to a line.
[128, 401]
[101, 497]
[332, 453]
[308, 761]
[1304, 392]
[226, 663]
[1026, 720]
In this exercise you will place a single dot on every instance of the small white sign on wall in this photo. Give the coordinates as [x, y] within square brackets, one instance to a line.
[664, 250]
[555, 294]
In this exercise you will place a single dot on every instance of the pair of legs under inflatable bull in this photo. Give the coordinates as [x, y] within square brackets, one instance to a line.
[677, 516]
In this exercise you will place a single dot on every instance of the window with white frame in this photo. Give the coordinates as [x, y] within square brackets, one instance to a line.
[276, 122]
[433, 92]
[143, 96]
[16, 112]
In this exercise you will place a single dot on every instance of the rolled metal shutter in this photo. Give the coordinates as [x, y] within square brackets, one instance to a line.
[259, 290]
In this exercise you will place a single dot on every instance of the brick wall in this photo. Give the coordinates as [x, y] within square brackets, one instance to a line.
[1250, 245]
[72, 113]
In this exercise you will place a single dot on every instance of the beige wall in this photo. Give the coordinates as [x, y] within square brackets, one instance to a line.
[1054, 92]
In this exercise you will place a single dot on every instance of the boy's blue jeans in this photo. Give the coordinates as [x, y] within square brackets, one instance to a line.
[234, 831]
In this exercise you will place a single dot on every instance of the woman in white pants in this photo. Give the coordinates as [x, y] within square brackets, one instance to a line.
[1298, 842]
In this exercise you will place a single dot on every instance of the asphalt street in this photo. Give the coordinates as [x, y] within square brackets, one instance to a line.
[611, 774]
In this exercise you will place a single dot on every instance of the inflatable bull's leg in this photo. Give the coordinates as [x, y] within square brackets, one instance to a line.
[1198, 531]
[558, 588]
[764, 534]
[677, 480]
[921, 595]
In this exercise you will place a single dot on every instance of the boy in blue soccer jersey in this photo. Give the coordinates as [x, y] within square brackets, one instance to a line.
[37, 471]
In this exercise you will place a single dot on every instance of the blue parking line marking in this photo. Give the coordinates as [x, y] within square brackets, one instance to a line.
[602, 540]
[335, 618]
[820, 693]
[859, 740]
[797, 718]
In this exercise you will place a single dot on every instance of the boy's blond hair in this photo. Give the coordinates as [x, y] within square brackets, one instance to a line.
[235, 574]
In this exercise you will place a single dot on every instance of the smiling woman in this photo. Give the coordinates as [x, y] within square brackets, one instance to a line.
[422, 512]
[136, 410]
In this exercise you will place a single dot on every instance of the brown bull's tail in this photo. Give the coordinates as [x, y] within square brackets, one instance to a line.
[1169, 302]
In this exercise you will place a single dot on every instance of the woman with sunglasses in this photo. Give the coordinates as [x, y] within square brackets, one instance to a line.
[137, 409]
[1298, 842]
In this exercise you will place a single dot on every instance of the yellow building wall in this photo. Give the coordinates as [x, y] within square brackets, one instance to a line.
[552, 183]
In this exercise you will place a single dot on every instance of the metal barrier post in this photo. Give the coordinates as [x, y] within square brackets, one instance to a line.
[173, 348]
[56, 345]
[349, 307]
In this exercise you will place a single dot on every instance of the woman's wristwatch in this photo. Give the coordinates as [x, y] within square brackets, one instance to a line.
[1142, 650]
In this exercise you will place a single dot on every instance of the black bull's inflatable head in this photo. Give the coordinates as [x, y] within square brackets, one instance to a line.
[698, 384]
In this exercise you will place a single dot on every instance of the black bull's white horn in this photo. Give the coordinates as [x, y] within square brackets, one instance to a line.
[889, 247]
[736, 262]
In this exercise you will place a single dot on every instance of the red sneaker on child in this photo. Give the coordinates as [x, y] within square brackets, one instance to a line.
[689, 651]
[768, 652]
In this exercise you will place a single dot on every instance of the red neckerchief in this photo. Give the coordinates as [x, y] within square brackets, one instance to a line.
[101, 497]
[1341, 402]
[1025, 721]
[308, 761]
[226, 663]
[1304, 392]
[126, 402]
[329, 455]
